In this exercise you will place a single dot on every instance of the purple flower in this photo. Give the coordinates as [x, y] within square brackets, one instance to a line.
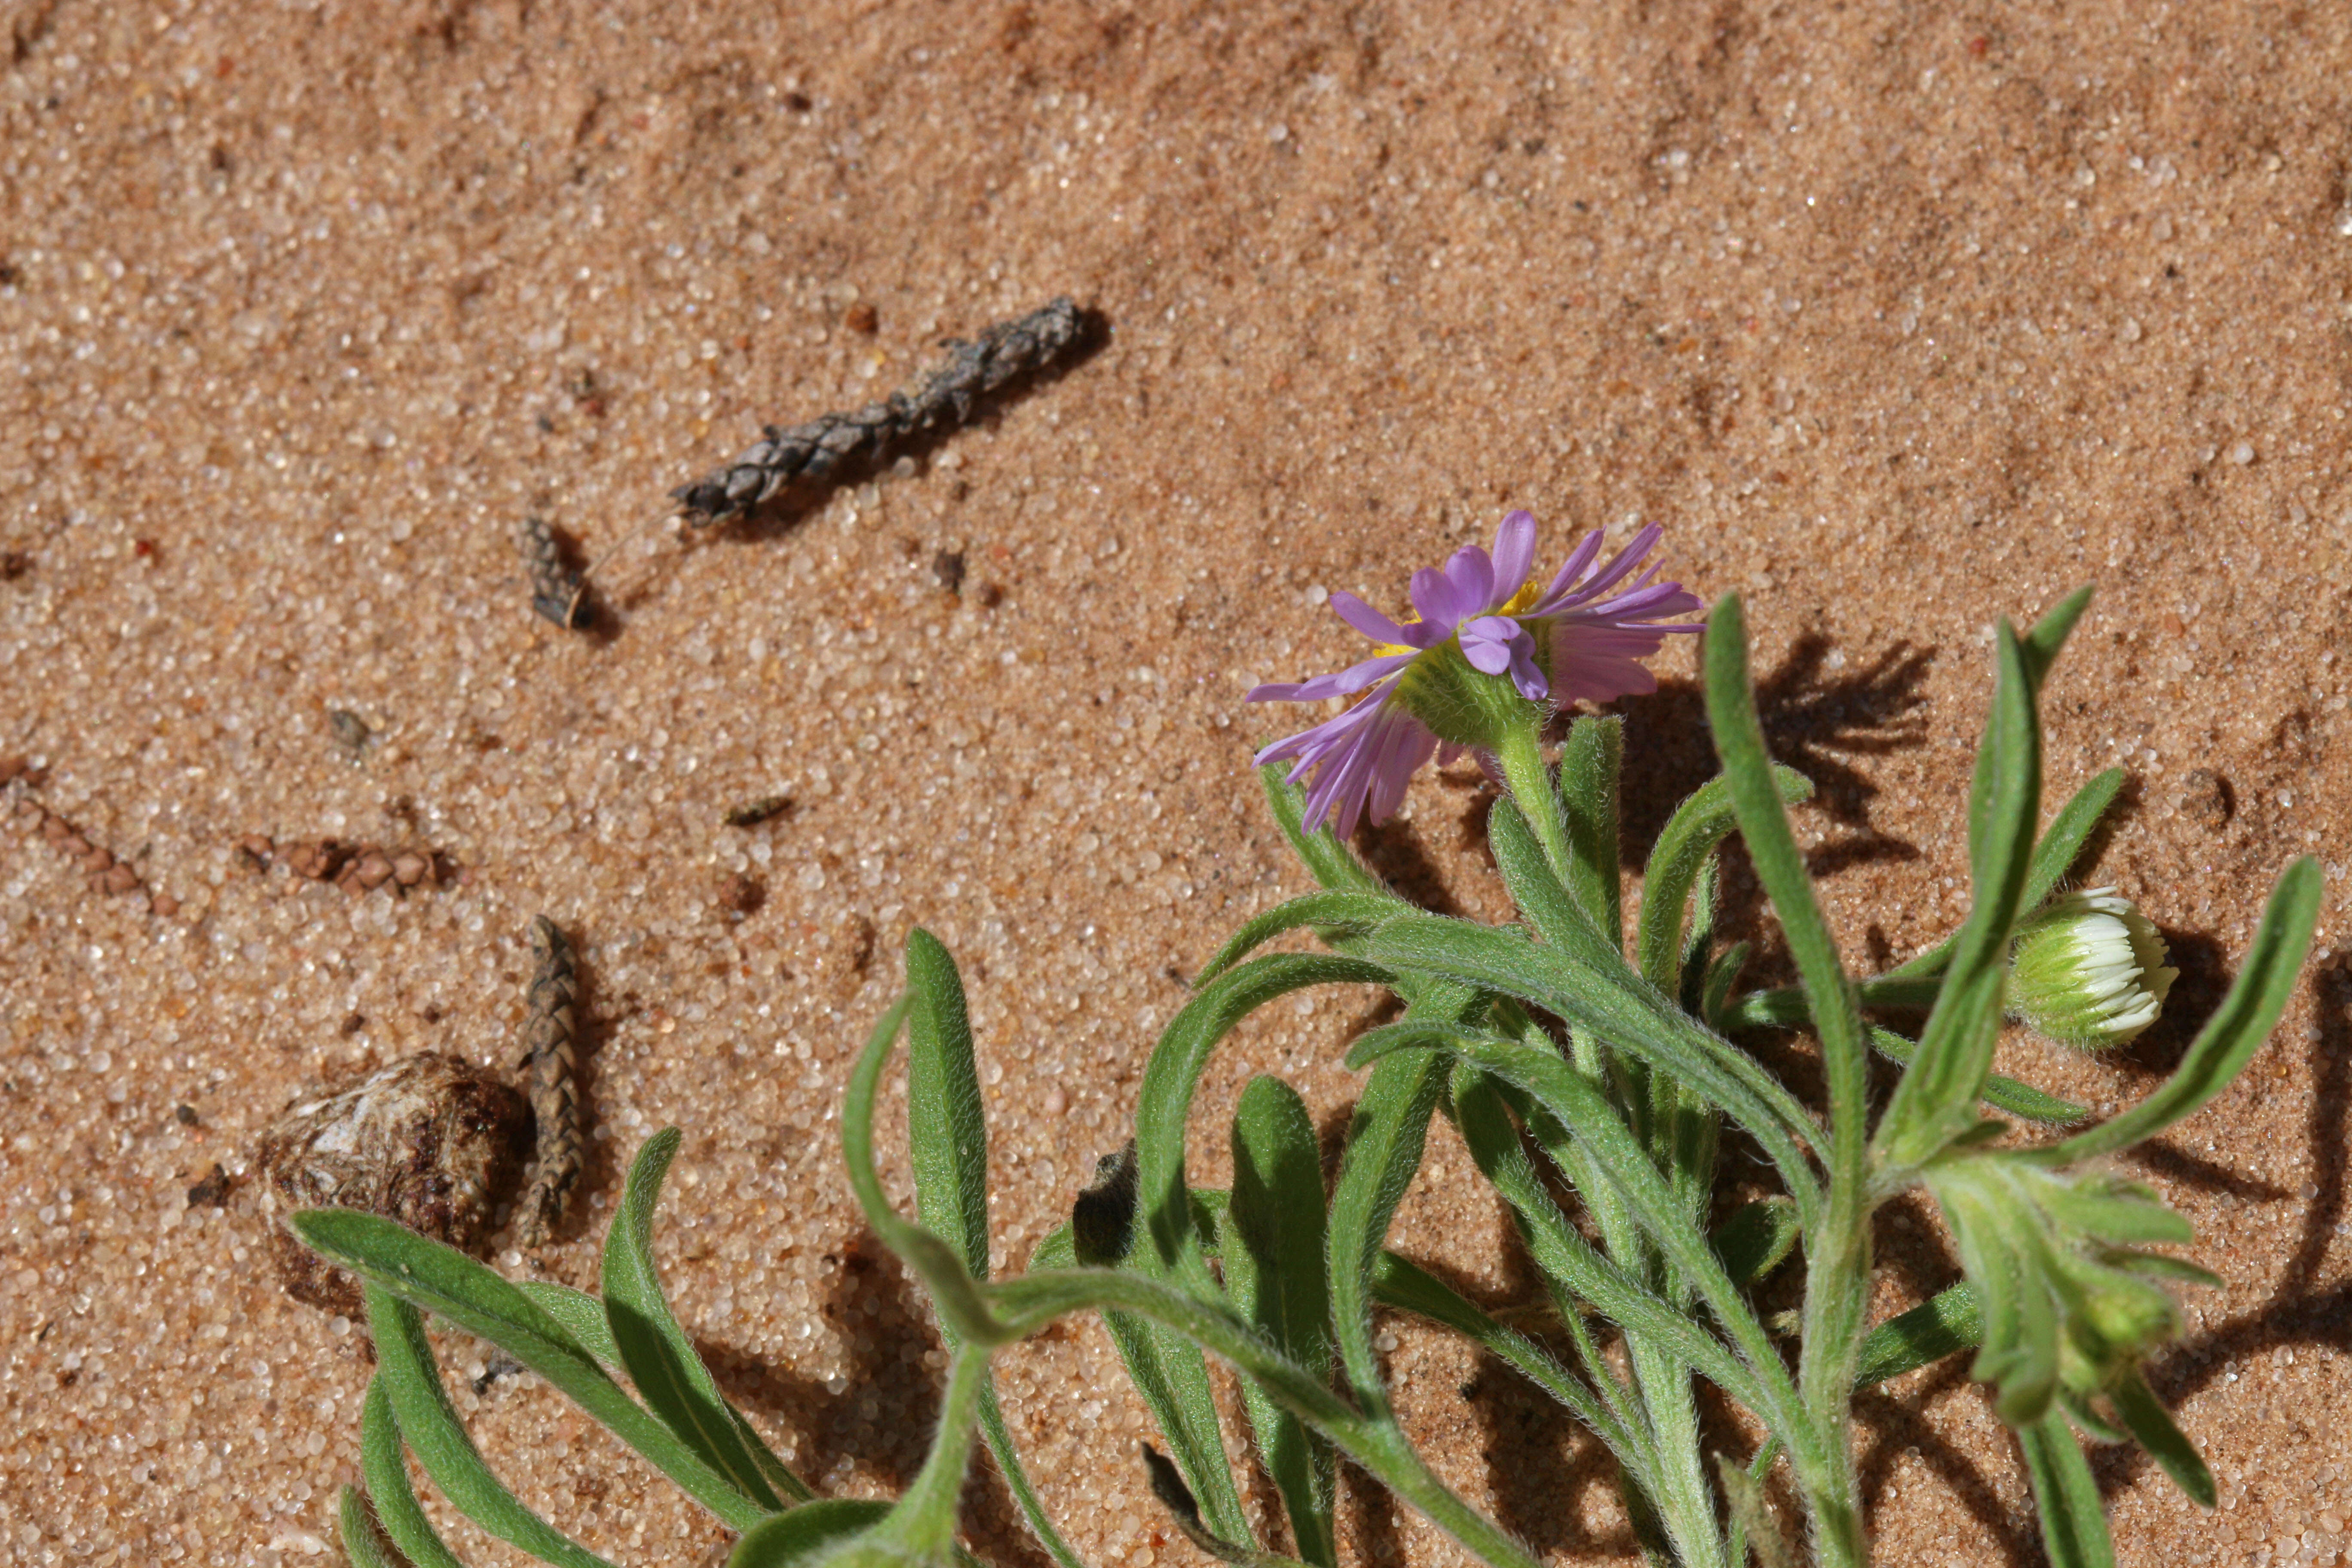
[1583, 636]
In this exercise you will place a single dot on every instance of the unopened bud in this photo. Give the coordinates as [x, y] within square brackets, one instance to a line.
[2088, 969]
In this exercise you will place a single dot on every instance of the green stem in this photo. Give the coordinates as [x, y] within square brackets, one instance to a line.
[1529, 777]
[924, 1521]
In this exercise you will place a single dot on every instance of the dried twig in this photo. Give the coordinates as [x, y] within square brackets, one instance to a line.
[814, 450]
[551, 1035]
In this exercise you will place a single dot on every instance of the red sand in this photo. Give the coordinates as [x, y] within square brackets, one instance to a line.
[1899, 320]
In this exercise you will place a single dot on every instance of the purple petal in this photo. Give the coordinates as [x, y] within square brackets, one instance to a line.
[1366, 620]
[1432, 596]
[1530, 680]
[1580, 558]
[1344, 683]
[1472, 574]
[1515, 555]
[1487, 641]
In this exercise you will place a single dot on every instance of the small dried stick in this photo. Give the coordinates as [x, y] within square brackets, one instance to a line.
[814, 450]
[557, 587]
[551, 1032]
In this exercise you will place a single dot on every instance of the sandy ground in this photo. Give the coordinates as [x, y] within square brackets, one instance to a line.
[1899, 318]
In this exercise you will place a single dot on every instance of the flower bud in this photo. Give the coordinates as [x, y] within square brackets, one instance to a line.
[2087, 970]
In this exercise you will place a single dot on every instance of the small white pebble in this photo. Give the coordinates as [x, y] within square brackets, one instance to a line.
[2242, 453]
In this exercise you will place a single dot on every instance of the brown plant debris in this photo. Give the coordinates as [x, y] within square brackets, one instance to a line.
[741, 894]
[212, 1189]
[551, 1035]
[946, 399]
[354, 868]
[752, 813]
[430, 1142]
[556, 591]
[102, 872]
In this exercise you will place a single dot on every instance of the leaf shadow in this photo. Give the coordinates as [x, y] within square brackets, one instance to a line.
[883, 1419]
[2305, 1308]
[1820, 721]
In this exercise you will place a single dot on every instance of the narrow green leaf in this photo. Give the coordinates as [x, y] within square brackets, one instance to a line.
[946, 1136]
[1273, 1266]
[1681, 852]
[1543, 900]
[1590, 763]
[1756, 1239]
[1751, 1516]
[579, 1314]
[2039, 648]
[1168, 1487]
[2073, 1526]
[1945, 1322]
[1640, 1023]
[1333, 913]
[1415, 1034]
[445, 1282]
[583, 1317]
[383, 1466]
[2230, 1036]
[1385, 1138]
[362, 1543]
[955, 1295]
[1763, 818]
[785, 1540]
[1401, 1283]
[947, 1132]
[2152, 1426]
[1167, 1370]
[1579, 1108]
[1371, 1439]
[429, 1425]
[1331, 862]
[1170, 1079]
[1999, 1092]
[660, 1358]
[1936, 1101]
[1575, 1272]
[920, 1529]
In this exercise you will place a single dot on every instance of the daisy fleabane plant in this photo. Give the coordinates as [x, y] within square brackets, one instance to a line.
[1582, 635]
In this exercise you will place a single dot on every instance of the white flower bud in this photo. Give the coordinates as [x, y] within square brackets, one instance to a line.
[2088, 969]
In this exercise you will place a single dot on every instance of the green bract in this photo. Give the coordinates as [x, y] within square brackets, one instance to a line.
[1589, 1084]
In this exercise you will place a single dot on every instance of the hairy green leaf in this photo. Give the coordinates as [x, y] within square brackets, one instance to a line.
[429, 1425]
[362, 1543]
[2152, 1426]
[1333, 914]
[1681, 852]
[1271, 1250]
[1756, 1239]
[384, 1466]
[660, 1358]
[1945, 1322]
[1936, 1101]
[806, 1533]
[2073, 1526]
[445, 1282]
[1589, 767]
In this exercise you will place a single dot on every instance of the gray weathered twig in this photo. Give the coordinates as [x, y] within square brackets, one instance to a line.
[551, 1033]
[814, 450]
